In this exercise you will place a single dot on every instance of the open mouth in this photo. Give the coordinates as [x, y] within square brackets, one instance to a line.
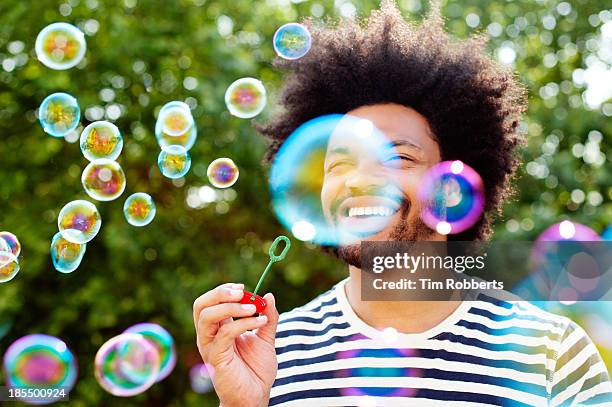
[366, 215]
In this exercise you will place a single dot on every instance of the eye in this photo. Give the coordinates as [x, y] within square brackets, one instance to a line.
[338, 165]
[398, 160]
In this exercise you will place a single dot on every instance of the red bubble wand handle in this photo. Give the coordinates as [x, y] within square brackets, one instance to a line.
[253, 298]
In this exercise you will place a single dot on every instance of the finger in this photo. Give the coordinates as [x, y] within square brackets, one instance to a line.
[224, 340]
[210, 318]
[228, 292]
[268, 331]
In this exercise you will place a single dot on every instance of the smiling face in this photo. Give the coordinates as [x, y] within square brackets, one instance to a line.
[373, 195]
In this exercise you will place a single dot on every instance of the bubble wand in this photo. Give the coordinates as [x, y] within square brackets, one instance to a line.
[253, 298]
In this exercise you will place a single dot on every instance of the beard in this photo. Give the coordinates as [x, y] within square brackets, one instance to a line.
[403, 230]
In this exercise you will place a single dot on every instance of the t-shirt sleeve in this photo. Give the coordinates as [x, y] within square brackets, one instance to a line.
[580, 377]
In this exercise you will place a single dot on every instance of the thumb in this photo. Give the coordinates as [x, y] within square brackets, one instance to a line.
[268, 331]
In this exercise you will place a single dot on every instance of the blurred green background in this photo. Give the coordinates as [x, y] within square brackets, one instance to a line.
[144, 53]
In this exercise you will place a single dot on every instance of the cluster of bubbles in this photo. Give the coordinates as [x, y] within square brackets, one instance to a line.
[452, 197]
[176, 133]
[40, 361]
[10, 249]
[130, 363]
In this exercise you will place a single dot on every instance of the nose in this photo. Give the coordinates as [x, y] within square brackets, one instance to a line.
[365, 180]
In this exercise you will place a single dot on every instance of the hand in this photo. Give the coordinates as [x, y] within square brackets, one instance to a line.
[243, 362]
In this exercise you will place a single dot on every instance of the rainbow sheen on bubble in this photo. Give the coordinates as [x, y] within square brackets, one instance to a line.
[9, 242]
[245, 98]
[174, 162]
[162, 341]
[200, 380]
[186, 140]
[333, 150]
[103, 180]
[79, 221]
[139, 209]
[127, 364]
[59, 114]
[452, 197]
[175, 119]
[222, 173]
[65, 255]
[101, 139]
[292, 41]
[9, 266]
[607, 233]
[35, 361]
[60, 46]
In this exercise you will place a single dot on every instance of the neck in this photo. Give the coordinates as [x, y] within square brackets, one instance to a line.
[404, 316]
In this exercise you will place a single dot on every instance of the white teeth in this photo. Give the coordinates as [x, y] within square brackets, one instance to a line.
[370, 211]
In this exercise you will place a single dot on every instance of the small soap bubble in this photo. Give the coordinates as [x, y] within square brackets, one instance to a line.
[186, 140]
[292, 41]
[245, 98]
[79, 221]
[60, 46]
[126, 365]
[452, 197]
[66, 256]
[36, 361]
[139, 209]
[9, 266]
[162, 341]
[101, 139]
[103, 180]
[200, 379]
[175, 119]
[9, 242]
[59, 114]
[174, 162]
[222, 173]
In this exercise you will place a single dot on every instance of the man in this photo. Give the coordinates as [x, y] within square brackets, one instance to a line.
[436, 100]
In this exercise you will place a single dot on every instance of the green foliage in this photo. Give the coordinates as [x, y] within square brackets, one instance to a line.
[145, 53]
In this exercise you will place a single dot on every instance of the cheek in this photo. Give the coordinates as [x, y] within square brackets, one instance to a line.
[329, 191]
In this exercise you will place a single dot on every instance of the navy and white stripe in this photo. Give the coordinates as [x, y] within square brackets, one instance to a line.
[487, 353]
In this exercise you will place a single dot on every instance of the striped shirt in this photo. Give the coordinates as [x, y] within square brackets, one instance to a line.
[488, 352]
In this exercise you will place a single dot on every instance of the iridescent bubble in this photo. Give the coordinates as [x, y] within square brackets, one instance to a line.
[79, 221]
[9, 266]
[59, 114]
[452, 197]
[222, 173]
[35, 361]
[245, 98]
[65, 255]
[60, 46]
[162, 341]
[607, 233]
[328, 151]
[101, 139]
[175, 119]
[567, 230]
[174, 162]
[139, 209]
[292, 41]
[200, 380]
[126, 365]
[103, 180]
[10, 243]
[186, 139]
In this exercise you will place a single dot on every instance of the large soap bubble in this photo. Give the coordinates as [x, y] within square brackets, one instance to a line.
[175, 118]
[126, 365]
[59, 114]
[36, 361]
[79, 221]
[103, 180]
[333, 181]
[452, 197]
[245, 98]
[163, 342]
[65, 255]
[101, 139]
[60, 46]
